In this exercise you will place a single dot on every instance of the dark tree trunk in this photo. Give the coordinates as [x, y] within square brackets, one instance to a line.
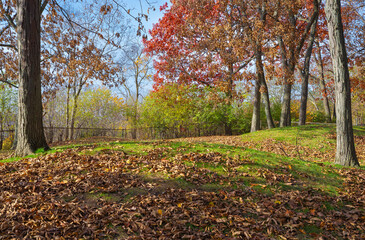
[263, 86]
[334, 111]
[1, 132]
[322, 84]
[67, 113]
[255, 123]
[306, 69]
[345, 151]
[30, 122]
[229, 93]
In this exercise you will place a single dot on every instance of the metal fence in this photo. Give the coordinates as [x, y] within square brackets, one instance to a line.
[60, 134]
[57, 134]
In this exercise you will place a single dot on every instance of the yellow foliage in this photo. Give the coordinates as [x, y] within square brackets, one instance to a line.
[8, 142]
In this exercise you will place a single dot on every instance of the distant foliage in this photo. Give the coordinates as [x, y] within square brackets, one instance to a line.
[183, 106]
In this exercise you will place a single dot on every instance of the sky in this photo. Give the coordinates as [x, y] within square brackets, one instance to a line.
[154, 16]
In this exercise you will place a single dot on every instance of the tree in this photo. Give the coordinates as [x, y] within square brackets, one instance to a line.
[200, 42]
[306, 68]
[137, 71]
[7, 110]
[345, 151]
[30, 121]
[291, 26]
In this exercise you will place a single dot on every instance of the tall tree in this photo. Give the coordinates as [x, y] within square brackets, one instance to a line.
[292, 23]
[306, 68]
[345, 151]
[30, 122]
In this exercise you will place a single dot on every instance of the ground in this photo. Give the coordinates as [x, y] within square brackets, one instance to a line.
[275, 184]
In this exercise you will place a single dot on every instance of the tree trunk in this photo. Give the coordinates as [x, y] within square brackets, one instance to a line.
[229, 93]
[1, 132]
[30, 122]
[345, 151]
[263, 86]
[255, 123]
[306, 69]
[322, 84]
[67, 113]
[285, 118]
[334, 110]
[74, 111]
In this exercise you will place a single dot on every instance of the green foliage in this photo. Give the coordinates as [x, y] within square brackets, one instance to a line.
[8, 107]
[171, 106]
[97, 108]
[185, 106]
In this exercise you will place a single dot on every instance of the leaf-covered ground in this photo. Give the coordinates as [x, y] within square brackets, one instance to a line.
[181, 190]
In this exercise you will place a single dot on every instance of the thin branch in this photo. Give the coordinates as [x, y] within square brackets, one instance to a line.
[9, 83]
[243, 65]
[8, 46]
[44, 5]
[72, 23]
[4, 29]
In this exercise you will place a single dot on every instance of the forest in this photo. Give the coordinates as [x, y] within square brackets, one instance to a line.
[187, 119]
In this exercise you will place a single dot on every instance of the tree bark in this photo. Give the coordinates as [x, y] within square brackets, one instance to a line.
[285, 117]
[345, 151]
[229, 93]
[255, 123]
[306, 69]
[322, 84]
[263, 86]
[30, 122]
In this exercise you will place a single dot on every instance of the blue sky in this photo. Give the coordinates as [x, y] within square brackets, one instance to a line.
[154, 16]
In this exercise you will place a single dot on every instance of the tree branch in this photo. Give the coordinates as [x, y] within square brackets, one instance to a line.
[8, 46]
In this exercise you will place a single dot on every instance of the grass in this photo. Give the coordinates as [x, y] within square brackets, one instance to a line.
[238, 168]
[312, 136]
[310, 173]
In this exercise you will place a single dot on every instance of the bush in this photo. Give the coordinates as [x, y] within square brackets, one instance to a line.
[8, 142]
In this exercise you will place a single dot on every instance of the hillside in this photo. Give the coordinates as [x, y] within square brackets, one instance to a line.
[273, 184]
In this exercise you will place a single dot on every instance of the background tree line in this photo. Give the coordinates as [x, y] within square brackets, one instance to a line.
[212, 60]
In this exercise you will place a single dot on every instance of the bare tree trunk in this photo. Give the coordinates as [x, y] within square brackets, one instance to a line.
[255, 123]
[322, 84]
[77, 93]
[72, 123]
[285, 118]
[345, 151]
[30, 122]
[229, 93]
[1, 132]
[263, 86]
[306, 69]
[67, 112]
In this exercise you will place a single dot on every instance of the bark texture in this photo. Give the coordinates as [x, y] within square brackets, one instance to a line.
[255, 123]
[263, 86]
[30, 123]
[306, 69]
[285, 117]
[345, 152]
[322, 84]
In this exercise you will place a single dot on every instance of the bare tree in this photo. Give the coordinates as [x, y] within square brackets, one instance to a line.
[137, 73]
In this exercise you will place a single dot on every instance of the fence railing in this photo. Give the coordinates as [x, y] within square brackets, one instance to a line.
[59, 134]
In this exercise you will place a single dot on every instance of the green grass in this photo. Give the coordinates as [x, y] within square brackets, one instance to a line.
[268, 174]
[313, 136]
[311, 174]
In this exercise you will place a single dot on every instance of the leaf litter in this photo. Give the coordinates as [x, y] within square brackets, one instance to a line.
[48, 197]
